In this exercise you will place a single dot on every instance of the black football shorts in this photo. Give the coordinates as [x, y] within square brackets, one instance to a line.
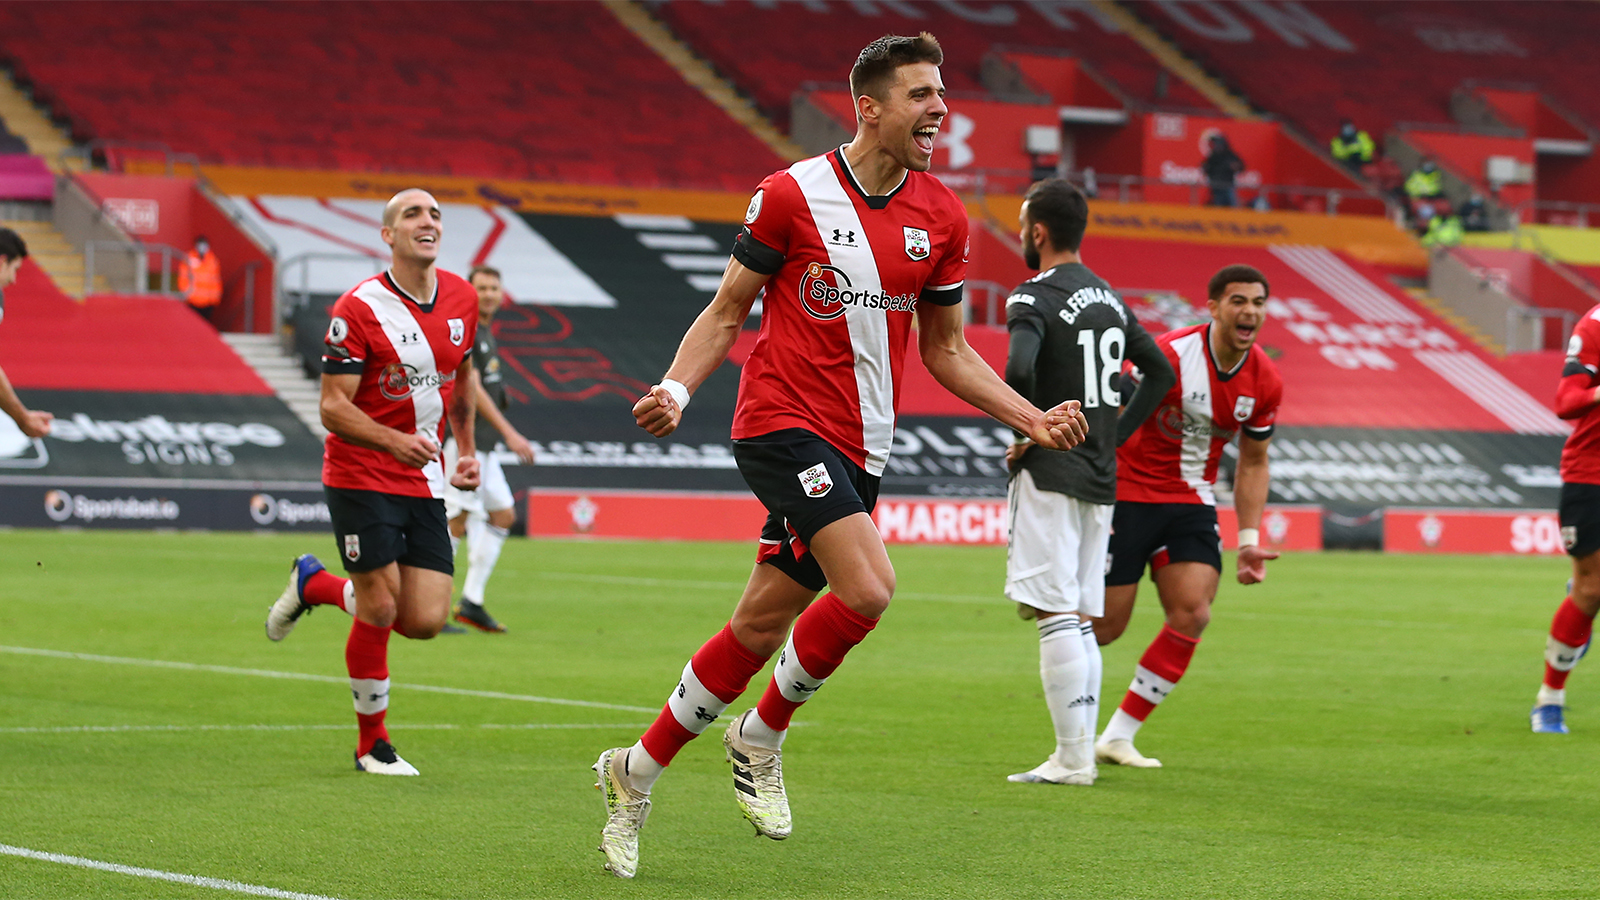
[373, 529]
[1155, 534]
[805, 484]
[1580, 518]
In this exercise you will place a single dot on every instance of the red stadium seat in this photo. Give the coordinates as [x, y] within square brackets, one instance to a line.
[511, 90]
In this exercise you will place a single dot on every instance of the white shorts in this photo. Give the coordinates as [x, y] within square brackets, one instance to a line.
[493, 493]
[1057, 556]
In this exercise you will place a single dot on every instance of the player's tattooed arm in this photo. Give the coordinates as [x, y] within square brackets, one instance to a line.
[954, 364]
[341, 416]
[1250, 483]
[1157, 379]
[705, 345]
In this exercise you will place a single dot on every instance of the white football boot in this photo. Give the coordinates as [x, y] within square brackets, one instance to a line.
[1122, 753]
[626, 812]
[382, 760]
[1052, 772]
[758, 782]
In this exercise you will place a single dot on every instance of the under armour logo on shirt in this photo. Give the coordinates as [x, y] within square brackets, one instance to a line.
[841, 236]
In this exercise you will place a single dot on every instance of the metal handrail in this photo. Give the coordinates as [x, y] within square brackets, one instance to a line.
[1119, 188]
[1517, 315]
[140, 284]
[304, 261]
[995, 310]
[1584, 210]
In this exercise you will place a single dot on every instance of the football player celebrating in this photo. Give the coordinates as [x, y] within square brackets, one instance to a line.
[852, 247]
[1166, 514]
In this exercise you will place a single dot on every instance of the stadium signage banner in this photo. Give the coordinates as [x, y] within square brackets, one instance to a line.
[157, 503]
[170, 436]
[669, 515]
[1406, 468]
[1524, 532]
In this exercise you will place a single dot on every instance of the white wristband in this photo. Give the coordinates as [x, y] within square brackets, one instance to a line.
[1249, 537]
[680, 394]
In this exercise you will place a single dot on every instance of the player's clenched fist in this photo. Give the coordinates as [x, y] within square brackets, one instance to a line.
[467, 474]
[1253, 564]
[657, 413]
[1062, 427]
[415, 450]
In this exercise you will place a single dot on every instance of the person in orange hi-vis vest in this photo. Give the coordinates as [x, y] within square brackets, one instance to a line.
[200, 278]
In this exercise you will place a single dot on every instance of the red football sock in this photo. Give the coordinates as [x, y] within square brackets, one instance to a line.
[822, 636]
[1572, 628]
[366, 657]
[716, 675]
[325, 589]
[1158, 672]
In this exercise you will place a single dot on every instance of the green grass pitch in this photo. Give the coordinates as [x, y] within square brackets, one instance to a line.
[1356, 727]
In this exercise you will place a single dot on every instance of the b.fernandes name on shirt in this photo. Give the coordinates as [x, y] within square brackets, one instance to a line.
[825, 300]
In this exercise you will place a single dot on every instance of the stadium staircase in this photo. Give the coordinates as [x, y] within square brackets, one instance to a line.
[1457, 321]
[59, 259]
[699, 74]
[1176, 62]
[283, 372]
[24, 119]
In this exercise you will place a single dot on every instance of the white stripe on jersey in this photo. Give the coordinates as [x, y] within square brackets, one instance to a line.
[1194, 379]
[407, 338]
[869, 328]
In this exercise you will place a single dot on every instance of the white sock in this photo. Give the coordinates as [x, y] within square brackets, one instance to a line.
[350, 597]
[483, 551]
[1549, 696]
[1091, 690]
[1063, 671]
[641, 768]
[755, 730]
[1122, 727]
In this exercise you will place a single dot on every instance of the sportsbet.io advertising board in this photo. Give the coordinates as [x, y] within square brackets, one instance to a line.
[115, 460]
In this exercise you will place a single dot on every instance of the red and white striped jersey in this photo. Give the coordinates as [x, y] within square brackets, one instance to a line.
[1173, 456]
[848, 271]
[1580, 456]
[407, 354]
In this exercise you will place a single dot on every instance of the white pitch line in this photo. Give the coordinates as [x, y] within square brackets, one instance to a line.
[110, 729]
[324, 679]
[219, 884]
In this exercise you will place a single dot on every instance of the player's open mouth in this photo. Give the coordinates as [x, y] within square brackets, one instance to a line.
[1245, 331]
[428, 240]
[924, 137]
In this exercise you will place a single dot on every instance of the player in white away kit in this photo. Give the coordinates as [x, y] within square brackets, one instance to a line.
[852, 246]
[1069, 335]
[398, 345]
[1166, 514]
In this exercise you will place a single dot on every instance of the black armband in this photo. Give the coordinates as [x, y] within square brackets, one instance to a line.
[943, 296]
[754, 255]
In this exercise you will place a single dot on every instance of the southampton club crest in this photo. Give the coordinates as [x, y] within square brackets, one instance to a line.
[1243, 408]
[458, 331]
[352, 547]
[917, 244]
[816, 481]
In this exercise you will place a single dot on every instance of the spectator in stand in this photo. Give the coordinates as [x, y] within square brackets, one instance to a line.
[1426, 183]
[1220, 167]
[200, 278]
[1354, 149]
[1474, 213]
[29, 421]
[1440, 226]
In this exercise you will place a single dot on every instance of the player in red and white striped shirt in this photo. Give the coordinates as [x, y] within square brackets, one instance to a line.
[398, 345]
[1166, 514]
[1578, 397]
[851, 247]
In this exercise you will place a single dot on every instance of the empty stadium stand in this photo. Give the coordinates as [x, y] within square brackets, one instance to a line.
[1308, 61]
[544, 91]
[820, 42]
